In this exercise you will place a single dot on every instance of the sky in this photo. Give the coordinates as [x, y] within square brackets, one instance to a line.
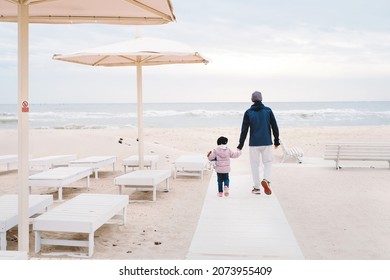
[301, 50]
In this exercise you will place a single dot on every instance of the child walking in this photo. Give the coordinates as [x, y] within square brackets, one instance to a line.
[221, 155]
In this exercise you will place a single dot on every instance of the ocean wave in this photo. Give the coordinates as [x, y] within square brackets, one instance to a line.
[8, 118]
[49, 116]
[304, 114]
[79, 127]
[41, 116]
[332, 114]
[111, 116]
[193, 113]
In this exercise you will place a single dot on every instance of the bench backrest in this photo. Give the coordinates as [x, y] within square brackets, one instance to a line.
[293, 151]
[361, 151]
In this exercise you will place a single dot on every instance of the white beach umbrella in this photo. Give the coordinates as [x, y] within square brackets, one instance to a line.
[137, 12]
[138, 52]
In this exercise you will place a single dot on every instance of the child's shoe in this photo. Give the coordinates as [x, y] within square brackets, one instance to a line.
[226, 191]
[220, 194]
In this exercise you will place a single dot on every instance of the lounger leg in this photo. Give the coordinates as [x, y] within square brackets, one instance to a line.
[124, 215]
[96, 173]
[60, 194]
[88, 182]
[3, 240]
[167, 185]
[338, 158]
[37, 241]
[90, 244]
[154, 192]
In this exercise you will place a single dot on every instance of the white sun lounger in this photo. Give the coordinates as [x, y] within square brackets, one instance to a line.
[13, 255]
[84, 213]
[149, 161]
[190, 165]
[60, 177]
[96, 162]
[144, 179]
[8, 159]
[9, 212]
[51, 161]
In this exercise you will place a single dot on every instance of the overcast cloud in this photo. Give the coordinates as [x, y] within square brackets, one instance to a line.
[302, 50]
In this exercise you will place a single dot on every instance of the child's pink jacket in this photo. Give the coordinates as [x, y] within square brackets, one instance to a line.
[222, 155]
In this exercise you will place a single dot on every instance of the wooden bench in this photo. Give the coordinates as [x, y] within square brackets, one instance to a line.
[84, 213]
[293, 152]
[357, 152]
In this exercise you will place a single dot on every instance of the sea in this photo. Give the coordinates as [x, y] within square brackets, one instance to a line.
[182, 115]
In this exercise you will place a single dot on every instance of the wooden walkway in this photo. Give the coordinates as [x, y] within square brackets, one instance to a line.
[242, 226]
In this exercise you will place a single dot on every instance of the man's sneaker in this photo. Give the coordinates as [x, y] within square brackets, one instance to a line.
[266, 187]
[256, 191]
[226, 191]
[220, 194]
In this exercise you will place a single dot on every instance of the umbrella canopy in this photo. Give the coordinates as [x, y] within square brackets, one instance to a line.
[94, 11]
[145, 51]
[138, 52]
[138, 12]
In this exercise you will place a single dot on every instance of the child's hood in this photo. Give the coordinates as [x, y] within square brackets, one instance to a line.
[222, 151]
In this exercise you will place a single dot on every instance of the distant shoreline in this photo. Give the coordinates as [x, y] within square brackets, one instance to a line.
[175, 115]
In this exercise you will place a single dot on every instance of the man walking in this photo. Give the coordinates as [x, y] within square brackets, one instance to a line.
[261, 122]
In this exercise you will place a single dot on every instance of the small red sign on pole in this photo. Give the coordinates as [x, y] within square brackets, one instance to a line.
[25, 108]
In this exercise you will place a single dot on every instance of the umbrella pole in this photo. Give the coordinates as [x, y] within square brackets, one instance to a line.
[23, 129]
[140, 117]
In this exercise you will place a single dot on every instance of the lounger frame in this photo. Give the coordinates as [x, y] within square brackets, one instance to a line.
[60, 177]
[51, 161]
[84, 213]
[9, 212]
[150, 161]
[144, 179]
[96, 162]
[190, 165]
[8, 160]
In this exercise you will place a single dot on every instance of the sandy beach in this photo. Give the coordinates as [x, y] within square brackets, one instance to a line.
[334, 214]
